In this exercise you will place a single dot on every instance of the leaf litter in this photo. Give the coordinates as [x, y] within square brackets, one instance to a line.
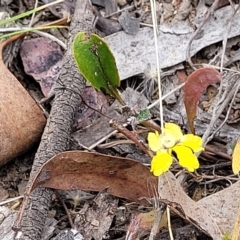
[183, 208]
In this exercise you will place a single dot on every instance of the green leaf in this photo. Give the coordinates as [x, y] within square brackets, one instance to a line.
[97, 63]
[143, 115]
[226, 236]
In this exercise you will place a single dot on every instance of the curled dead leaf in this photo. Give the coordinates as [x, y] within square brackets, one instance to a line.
[195, 85]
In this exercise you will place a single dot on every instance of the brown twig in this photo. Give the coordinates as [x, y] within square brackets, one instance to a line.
[220, 154]
[66, 210]
[116, 125]
[209, 156]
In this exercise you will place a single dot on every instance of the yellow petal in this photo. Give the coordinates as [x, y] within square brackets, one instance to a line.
[192, 141]
[161, 163]
[154, 141]
[186, 158]
[174, 130]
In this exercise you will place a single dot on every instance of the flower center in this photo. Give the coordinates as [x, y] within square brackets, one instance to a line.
[168, 141]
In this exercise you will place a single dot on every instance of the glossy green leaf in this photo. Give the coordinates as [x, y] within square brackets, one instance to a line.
[97, 63]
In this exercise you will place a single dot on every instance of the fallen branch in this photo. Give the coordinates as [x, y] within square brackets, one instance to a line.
[56, 136]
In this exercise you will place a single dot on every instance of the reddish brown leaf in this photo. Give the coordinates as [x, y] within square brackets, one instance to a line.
[125, 178]
[196, 83]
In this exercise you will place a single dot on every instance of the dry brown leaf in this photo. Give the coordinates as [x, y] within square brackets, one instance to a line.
[125, 178]
[21, 120]
[172, 193]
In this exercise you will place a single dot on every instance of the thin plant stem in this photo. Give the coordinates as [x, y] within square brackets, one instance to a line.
[154, 19]
[26, 30]
[169, 224]
[33, 15]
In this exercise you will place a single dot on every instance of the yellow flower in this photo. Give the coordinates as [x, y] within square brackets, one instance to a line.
[173, 140]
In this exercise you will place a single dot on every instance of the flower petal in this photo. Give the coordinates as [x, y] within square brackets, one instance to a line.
[161, 163]
[186, 158]
[154, 141]
[174, 130]
[192, 141]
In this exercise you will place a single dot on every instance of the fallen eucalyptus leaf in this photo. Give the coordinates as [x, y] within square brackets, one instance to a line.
[125, 178]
